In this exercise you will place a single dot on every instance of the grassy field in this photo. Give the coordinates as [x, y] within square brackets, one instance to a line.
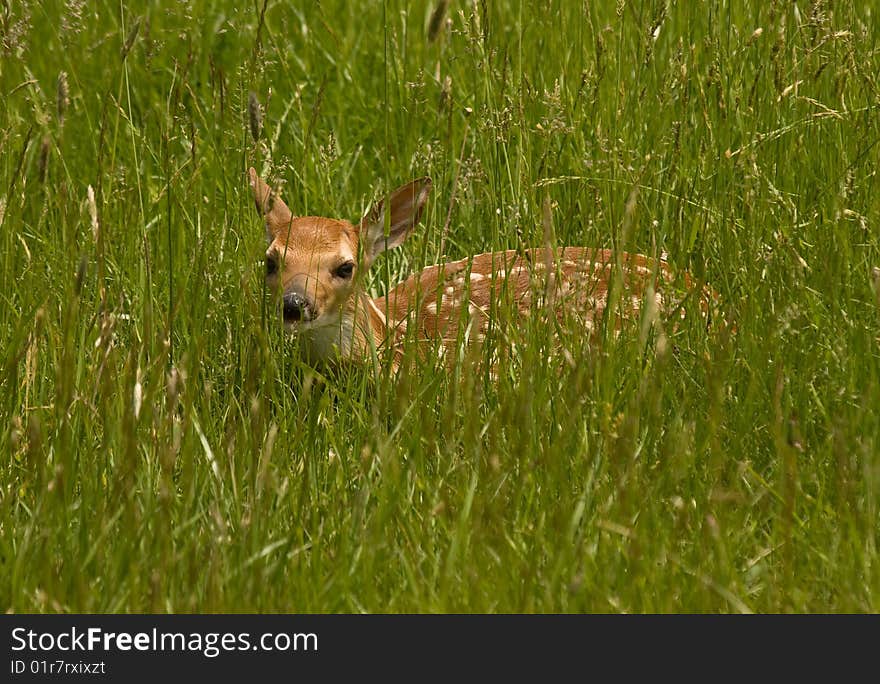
[164, 448]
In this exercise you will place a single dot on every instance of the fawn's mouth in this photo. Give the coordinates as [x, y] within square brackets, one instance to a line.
[298, 318]
[304, 323]
[296, 309]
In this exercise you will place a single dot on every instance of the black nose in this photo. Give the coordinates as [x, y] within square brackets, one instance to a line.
[296, 307]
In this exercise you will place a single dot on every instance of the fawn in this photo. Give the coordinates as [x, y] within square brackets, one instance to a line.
[316, 265]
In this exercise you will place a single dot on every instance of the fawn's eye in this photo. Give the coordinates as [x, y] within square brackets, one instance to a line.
[271, 265]
[344, 270]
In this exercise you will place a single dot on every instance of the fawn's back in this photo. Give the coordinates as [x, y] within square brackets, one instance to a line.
[462, 298]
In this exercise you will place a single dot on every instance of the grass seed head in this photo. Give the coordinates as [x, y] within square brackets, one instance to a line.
[137, 395]
[875, 280]
[445, 93]
[255, 116]
[436, 23]
[44, 159]
[129, 41]
[93, 212]
[62, 97]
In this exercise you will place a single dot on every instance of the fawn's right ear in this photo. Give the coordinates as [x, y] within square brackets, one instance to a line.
[271, 206]
[403, 209]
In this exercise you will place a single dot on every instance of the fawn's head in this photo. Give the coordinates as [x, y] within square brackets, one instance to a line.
[313, 263]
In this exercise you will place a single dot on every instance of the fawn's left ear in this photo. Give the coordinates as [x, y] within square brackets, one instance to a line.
[403, 209]
[278, 216]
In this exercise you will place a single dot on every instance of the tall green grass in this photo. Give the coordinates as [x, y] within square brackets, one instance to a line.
[165, 449]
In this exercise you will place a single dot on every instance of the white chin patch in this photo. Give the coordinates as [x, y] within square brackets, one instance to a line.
[303, 326]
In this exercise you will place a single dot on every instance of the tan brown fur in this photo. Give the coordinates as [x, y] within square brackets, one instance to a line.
[309, 250]
[431, 306]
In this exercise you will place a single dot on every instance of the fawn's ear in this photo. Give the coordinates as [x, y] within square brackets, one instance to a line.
[271, 206]
[402, 209]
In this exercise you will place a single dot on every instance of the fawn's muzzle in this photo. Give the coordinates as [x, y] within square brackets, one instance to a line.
[296, 308]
